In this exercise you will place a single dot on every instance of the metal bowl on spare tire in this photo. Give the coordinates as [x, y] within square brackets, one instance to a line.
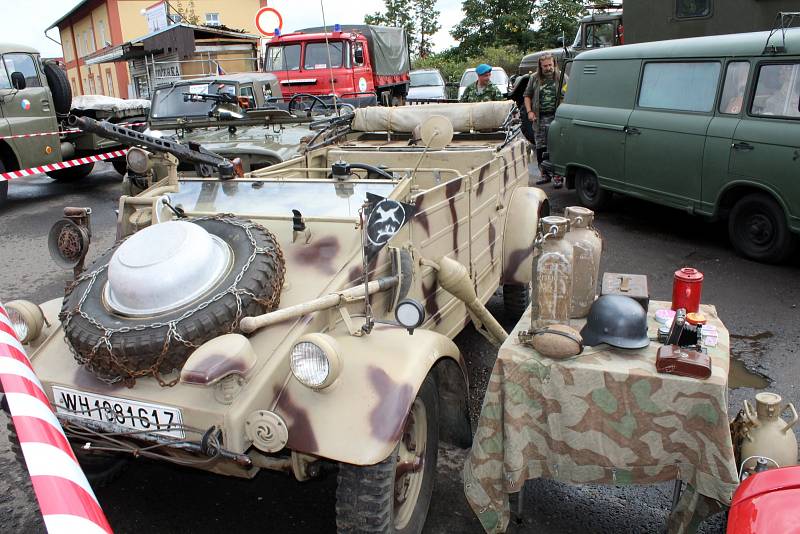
[145, 304]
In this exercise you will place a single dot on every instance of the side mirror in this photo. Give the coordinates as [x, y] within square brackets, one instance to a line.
[359, 55]
[18, 81]
[560, 41]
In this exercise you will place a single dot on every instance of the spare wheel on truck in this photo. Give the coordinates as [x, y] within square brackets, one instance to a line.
[149, 301]
[59, 87]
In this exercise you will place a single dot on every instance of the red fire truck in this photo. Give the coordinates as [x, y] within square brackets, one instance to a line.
[362, 64]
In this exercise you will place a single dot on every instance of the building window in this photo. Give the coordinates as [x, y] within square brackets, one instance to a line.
[74, 87]
[101, 27]
[86, 48]
[664, 86]
[692, 9]
[212, 19]
[109, 83]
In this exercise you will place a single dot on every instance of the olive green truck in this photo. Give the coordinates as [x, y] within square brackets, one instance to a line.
[35, 98]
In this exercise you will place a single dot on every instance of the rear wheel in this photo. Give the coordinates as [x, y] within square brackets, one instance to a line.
[515, 300]
[71, 173]
[394, 495]
[758, 230]
[590, 194]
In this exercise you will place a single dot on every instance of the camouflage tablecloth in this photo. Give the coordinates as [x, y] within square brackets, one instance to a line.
[604, 417]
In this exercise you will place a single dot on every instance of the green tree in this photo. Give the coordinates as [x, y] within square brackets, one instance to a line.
[557, 18]
[494, 23]
[417, 17]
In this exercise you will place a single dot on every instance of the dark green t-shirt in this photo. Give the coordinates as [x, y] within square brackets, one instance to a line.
[547, 97]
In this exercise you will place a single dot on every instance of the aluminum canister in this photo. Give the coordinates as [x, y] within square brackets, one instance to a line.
[587, 249]
[686, 289]
[551, 281]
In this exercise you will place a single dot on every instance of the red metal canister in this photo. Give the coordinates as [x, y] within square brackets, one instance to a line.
[686, 289]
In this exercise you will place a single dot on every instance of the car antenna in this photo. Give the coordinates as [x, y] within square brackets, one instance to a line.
[330, 64]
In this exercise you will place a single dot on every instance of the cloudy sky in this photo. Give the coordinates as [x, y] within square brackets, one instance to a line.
[25, 21]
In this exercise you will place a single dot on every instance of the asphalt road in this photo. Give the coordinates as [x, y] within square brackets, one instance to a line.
[757, 302]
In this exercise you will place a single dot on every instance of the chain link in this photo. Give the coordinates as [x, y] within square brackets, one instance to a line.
[102, 361]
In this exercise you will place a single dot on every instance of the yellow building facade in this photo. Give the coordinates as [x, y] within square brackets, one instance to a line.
[95, 26]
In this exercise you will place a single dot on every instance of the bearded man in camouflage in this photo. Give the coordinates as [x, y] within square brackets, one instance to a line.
[541, 97]
[483, 90]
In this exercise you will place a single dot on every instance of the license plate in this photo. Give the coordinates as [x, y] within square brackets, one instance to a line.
[142, 416]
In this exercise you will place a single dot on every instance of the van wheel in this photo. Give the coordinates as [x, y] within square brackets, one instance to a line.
[394, 495]
[590, 194]
[71, 173]
[757, 229]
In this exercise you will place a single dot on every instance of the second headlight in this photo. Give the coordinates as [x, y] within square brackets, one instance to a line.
[315, 361]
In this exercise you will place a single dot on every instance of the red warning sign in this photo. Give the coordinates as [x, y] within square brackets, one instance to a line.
[268, 20]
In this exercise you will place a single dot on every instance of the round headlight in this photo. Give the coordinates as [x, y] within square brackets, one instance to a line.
[409, 313]
[315, 361]
[27, 319]
[138, 160]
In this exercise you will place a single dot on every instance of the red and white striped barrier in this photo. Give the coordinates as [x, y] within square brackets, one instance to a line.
[63, 165]
[23, 136]
[65, 497]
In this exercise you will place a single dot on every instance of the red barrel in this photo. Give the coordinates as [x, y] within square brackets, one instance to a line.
[686, 289]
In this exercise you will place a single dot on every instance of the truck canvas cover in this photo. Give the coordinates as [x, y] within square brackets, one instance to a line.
[388, 46]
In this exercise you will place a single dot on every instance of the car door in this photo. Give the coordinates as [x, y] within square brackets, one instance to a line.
[30, 110]
[766, 144]
[717, 151]
[666, 133]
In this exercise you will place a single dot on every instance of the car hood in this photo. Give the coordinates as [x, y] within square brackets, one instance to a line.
[426, 91]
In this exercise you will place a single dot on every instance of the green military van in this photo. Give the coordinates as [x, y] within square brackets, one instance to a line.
[709, 125]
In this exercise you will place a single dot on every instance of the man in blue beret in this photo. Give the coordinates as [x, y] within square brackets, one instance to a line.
[482, 90]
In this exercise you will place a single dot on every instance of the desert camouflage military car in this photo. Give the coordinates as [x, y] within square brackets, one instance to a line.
[229, 325]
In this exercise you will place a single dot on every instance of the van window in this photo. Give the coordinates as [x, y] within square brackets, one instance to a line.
[23, 63]
[733, 90]
[247, 92]
[680, 86]
[690, 9]
[777, 91]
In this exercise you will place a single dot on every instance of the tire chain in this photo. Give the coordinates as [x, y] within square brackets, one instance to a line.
[128, 375]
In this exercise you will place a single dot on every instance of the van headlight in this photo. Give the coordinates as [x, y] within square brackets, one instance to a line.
[27, 319]
[315, 361]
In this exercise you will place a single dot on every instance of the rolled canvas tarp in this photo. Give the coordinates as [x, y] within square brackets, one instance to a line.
[465, 117]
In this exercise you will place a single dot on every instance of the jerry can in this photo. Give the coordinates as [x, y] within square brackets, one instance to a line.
[587, 248]
[767, 433]
[551, 281]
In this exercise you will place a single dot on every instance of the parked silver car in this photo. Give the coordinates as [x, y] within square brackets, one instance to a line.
[426, 85]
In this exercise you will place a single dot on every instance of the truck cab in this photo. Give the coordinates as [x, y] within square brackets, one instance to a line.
[342, 63]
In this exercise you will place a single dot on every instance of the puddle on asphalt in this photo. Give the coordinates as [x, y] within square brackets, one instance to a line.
[747, 348]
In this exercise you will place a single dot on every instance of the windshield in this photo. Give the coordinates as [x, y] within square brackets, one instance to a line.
[317, 55]
[425, 79]
[283, 58]
[169, 101]
[260, 198]
[497, 77]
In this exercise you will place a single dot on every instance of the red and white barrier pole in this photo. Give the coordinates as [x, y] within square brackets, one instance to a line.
[62, 165]
[65, 497]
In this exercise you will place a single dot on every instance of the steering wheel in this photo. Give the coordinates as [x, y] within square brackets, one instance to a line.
[299, 97]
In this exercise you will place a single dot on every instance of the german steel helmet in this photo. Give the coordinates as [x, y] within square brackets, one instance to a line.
[618, 321]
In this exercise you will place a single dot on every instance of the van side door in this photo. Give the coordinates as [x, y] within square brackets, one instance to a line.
[666, 133]
[717, 154]
[29, 110]
[766, 144]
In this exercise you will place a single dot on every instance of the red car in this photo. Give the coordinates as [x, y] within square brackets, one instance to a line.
[767, 503]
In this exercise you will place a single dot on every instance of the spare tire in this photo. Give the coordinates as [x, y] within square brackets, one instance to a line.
[116, 347]
[59, 86]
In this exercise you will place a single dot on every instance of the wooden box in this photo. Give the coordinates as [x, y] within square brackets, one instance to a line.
[630, 285]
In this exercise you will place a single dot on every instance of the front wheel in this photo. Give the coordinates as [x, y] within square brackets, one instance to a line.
[515, 300]
[590, 194]
[394, 495]
[758, 230]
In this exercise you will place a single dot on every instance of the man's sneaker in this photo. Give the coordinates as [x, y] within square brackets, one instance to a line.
[558, 182]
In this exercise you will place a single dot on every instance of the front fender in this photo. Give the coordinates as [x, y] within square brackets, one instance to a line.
[522, 222]
[359, 418]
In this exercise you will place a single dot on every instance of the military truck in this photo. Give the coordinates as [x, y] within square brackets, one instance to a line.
[302, 315]
[238, 116]
[35, 97]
